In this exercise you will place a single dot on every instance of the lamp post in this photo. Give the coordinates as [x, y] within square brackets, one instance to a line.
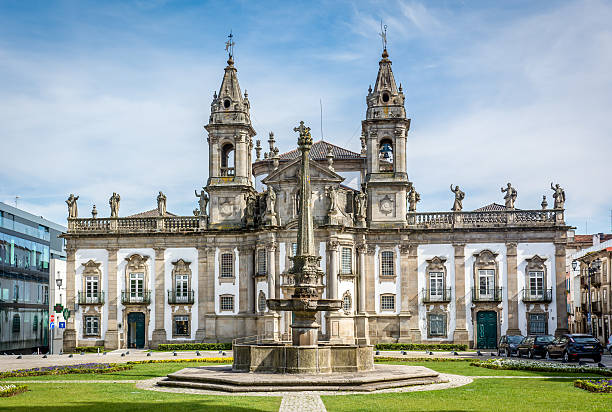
[593, 267]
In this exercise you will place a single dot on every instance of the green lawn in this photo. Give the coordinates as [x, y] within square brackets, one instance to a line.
[140, 371]
[481, 395]
[126, 397]
[464, 368]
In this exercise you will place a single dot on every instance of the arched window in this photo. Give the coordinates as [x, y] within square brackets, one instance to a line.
[385, 155]
[347, 302]
[227, 160]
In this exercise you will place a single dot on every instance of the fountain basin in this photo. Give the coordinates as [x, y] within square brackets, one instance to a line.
[303, 359]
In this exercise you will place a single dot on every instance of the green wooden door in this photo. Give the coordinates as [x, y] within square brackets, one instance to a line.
[136, 330]
[486, 323]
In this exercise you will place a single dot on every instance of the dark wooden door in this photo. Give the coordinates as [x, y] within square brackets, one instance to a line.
[136, 330]
[486, 323]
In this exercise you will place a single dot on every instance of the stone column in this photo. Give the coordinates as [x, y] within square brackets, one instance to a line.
[332, 248]
[362, 330]
[461, 333]
[202, 292]
[370, 279]
[111, 339]
[560, 288]
[409, 294]
[159, 333]
[70, 334]
[511, 270]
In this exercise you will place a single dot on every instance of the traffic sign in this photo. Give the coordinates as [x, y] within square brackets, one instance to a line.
[52, 325]
[62, 325]
[52, 317]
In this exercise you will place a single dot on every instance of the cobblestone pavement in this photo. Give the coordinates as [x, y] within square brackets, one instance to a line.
[300, 402]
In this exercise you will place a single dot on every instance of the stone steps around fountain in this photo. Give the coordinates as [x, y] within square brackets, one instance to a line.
[222, 379]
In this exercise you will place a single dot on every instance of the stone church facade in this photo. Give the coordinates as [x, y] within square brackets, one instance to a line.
[403, 275]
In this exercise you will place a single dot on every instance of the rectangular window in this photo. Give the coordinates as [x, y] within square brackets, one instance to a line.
[136, 286]
[261, 261]
[536, 283]
[181, 325]
[486, 283]
[227, 303]
[387, 303]
[347, 260]
[437, 324]
[92, 327]
[91, 289]
[436, 285]
[227, 265]
[386, 265]
[181, 285]
[537, 324]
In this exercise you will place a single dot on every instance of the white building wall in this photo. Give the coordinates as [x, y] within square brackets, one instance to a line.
[527, 251]
[387, 286]
[99, 256]
[427, 252]
[470, 250]
[170, 256]
[227, 288]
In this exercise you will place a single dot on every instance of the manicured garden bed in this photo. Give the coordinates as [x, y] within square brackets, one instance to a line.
[421, 346]
[169, 347]
[11, 390]
[539, 366]
[595, 385]
[94, 368]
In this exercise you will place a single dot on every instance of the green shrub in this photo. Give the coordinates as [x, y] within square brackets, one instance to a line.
[194, 346]
[11, 390]
[89, 349]
[539, 366]
[421, 346]
[202, 360]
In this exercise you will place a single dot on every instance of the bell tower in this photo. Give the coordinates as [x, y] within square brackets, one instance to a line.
[385, 129]
[230, 143]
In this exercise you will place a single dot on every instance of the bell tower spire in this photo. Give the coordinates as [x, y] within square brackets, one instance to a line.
[230, 143]
[385, 129]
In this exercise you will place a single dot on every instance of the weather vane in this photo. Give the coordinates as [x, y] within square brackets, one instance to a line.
[229, 45]
[383, 34]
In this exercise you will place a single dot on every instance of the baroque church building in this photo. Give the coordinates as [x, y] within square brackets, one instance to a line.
[403, 275]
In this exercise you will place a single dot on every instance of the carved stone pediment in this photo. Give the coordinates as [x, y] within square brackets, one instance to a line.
[485, 258]
[181, 267]
[535, 263]
[436, 264]
[91, 268]
[290, 174]
[137, 262]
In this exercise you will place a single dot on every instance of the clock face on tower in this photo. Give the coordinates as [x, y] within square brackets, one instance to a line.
[386, 205]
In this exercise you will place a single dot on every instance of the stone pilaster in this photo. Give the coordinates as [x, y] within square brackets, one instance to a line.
[409, 295]
[332, 250]
[245, 282]
[70, 334]
[560, 288]
[370, 279]
[461, 333]
[362, 330]
[209, 280]
[201, 298]
[159, 333]
[111, 338]
[513, 292]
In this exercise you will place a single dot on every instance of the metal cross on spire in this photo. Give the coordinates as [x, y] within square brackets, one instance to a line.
[383, 35]
[229, 45]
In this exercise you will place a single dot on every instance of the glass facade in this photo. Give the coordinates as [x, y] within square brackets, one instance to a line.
[22, 253]
[8, 221]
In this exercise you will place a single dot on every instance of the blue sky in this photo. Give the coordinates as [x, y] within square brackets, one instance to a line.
[97, 97]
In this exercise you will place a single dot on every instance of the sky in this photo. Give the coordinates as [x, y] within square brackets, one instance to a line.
[103, 97]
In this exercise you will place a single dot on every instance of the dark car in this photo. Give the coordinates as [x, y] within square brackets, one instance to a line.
[575, 346]
[534, 345]
[508, 344]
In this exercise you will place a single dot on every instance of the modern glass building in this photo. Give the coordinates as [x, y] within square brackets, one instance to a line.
[27, 244]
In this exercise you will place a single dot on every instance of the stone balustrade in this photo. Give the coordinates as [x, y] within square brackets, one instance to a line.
[136, 224]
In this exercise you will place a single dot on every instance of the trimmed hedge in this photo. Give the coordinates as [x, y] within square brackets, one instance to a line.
[67, 369]
[539, 366]
[194, 346]
[421, 346]
[89, 349]
[12, 390]
[594, 385]
[203, 360]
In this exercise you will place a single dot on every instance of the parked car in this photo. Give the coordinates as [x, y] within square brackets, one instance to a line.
[575, 346]
[534, 345]
[508, 344]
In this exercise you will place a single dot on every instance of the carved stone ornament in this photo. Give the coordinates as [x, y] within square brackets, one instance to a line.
[386, 205]
[181, 267]
[226, 206]
[535, 263]
[137, 262]
[486, 258]
[406, 248]
[332, 245]
[91, 268]
[347, 295]
[362, 248]
[436, 264]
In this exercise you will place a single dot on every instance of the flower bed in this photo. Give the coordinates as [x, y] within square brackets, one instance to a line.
[421, 346]
[408, 359]
[207, 360]
[67, 369]
[194, 346]
[539, 366]
[11, 390]
[594, 385]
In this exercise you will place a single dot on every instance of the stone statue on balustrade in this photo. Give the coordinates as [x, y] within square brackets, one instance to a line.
[161, 204]
[332, 193]
[459, 196]
[114, 204]
[510, 196]
[412, 197]
[361, 208]
[270, 216]
[72, 206]
[559, 196]
[202, 202]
